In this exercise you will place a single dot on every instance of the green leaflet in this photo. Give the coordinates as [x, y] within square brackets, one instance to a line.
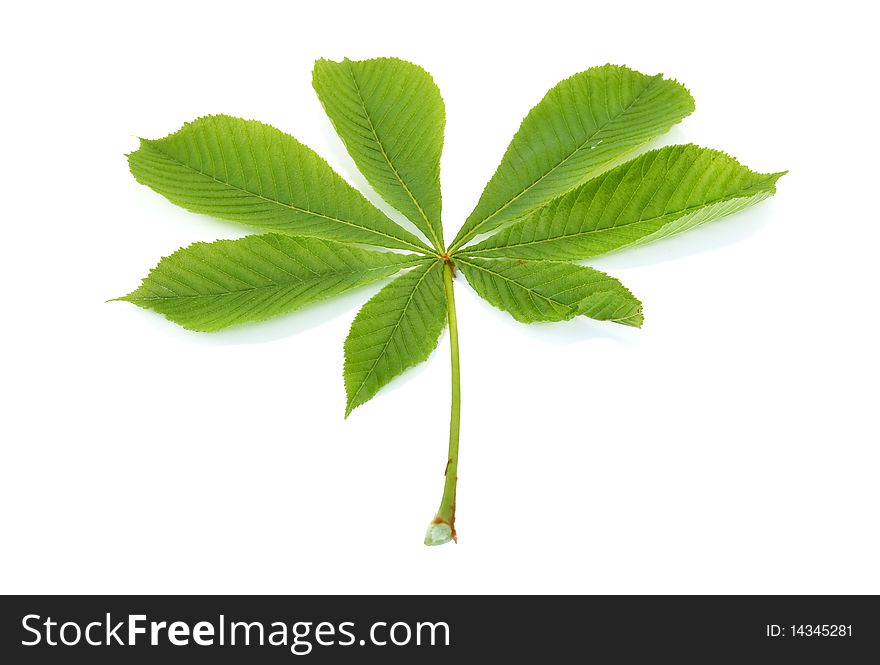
[580, 126]
[248, 172]
[534, 291]
[658, 194]
[209, 286]
[396, 329]
[390, 115]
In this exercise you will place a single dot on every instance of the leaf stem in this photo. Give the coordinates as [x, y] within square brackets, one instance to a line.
[442, 527]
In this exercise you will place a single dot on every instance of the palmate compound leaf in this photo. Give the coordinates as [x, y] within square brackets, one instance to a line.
[210, 286]
[390, 116]
[657, 194]
[533, 291]
[582, 125]
[397, 328]
[248, 172]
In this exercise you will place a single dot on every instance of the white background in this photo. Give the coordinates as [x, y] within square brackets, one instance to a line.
[730, 446]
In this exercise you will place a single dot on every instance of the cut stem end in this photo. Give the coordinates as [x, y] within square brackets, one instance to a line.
[439, 533]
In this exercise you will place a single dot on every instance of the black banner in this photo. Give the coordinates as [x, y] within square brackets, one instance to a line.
[429, 629]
